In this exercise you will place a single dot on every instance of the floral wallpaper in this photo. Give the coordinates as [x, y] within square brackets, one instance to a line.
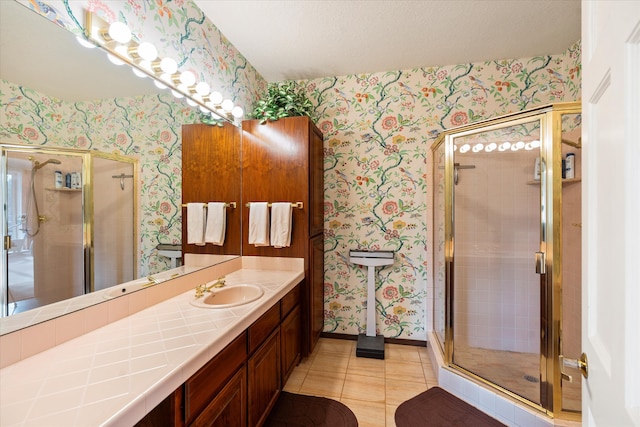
[378, 130]
[148, 127]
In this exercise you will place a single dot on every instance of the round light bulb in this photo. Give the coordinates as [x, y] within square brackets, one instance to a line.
[227, 105]
[203, 89]
[114, 59]
[216, 98]
[528, 146]
[204, 110]
[489, 148]
[535, 143]
[478, 147]
[122, 51]
[176, 94]
[146, 65]
[187, 78]
[168, 65]
[119, 32]
[85, 43]
[159, 84]
[504, 146]
[191, 102]
[455, 148]
[139, 73]
[520, 145]
[147, 51]
[465, 148]
[237, 112]
[514, 147]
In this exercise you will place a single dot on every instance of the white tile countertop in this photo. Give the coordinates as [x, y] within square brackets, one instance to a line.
[118, 373]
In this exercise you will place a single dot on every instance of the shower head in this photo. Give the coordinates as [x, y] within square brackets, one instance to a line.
[37, 165]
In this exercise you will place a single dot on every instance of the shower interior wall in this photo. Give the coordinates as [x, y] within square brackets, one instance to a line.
[497, 229]
[56, 255]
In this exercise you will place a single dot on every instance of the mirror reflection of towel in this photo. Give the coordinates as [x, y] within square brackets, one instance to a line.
[259, 224]
[195, 223]
[281, 222]
[216, 223]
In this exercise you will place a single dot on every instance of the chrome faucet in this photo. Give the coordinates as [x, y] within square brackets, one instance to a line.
[200, 290]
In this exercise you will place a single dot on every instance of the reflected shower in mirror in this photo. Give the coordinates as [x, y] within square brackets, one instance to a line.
[56, 93]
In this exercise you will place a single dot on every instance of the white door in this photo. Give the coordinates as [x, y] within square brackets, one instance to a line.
[611, 212]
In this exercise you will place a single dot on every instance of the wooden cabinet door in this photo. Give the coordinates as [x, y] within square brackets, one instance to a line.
[211, 173]
[229, 407]
[316, 181]
[290, 338]
[316, 290]
[264, 386]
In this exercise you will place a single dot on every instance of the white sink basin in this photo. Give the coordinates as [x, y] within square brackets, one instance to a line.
[230, 296]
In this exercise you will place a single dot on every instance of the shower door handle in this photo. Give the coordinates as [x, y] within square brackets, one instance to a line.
[541, 265]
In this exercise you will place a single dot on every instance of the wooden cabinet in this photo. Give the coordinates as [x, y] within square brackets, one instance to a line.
[211, 173]
[282, 161]
[264, 388]
[316, 290]
[229, 407]
[203, 386]
[290, 343]
[241, 384]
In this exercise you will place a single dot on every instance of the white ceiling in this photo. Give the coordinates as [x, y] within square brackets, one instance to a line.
[304, 39]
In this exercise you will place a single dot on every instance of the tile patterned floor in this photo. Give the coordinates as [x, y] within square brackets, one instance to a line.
[371, 388]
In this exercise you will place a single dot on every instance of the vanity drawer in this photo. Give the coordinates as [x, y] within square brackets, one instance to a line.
[290, 300]
[261, 328]
[203, 386]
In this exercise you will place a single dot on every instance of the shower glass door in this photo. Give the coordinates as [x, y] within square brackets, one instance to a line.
[43, 220]
[496, 292]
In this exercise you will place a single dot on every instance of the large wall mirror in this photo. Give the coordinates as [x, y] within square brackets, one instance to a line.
[56, 94]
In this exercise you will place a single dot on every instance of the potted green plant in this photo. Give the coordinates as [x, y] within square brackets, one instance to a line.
[283, 99]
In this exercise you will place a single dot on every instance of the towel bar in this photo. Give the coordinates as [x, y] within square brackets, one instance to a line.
[297, 205]
[226, 205]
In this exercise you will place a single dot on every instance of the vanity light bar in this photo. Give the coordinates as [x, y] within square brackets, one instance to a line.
[117, 40]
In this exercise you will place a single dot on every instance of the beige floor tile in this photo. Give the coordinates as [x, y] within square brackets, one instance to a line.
[391, 415]
[406, 353]
[363, 388]
[295, 380]
[404, 371]
[307, 361]
[424, 354]
[330, 362]
[334, 346]
[401, 391]
[369, 414]
[429, 373]
[324, 384]
[366, 366]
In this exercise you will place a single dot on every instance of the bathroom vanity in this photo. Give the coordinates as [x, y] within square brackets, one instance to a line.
[171, 361]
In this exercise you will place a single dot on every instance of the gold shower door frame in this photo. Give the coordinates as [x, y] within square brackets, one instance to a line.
[551, 315]
[88, 196]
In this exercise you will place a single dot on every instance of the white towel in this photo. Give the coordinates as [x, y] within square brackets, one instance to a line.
[195, 223]
[216, 223]
[281, 221]
[259, 224]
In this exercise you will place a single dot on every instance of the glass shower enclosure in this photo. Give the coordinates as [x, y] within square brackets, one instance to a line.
[507, 260]
[63, 210]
